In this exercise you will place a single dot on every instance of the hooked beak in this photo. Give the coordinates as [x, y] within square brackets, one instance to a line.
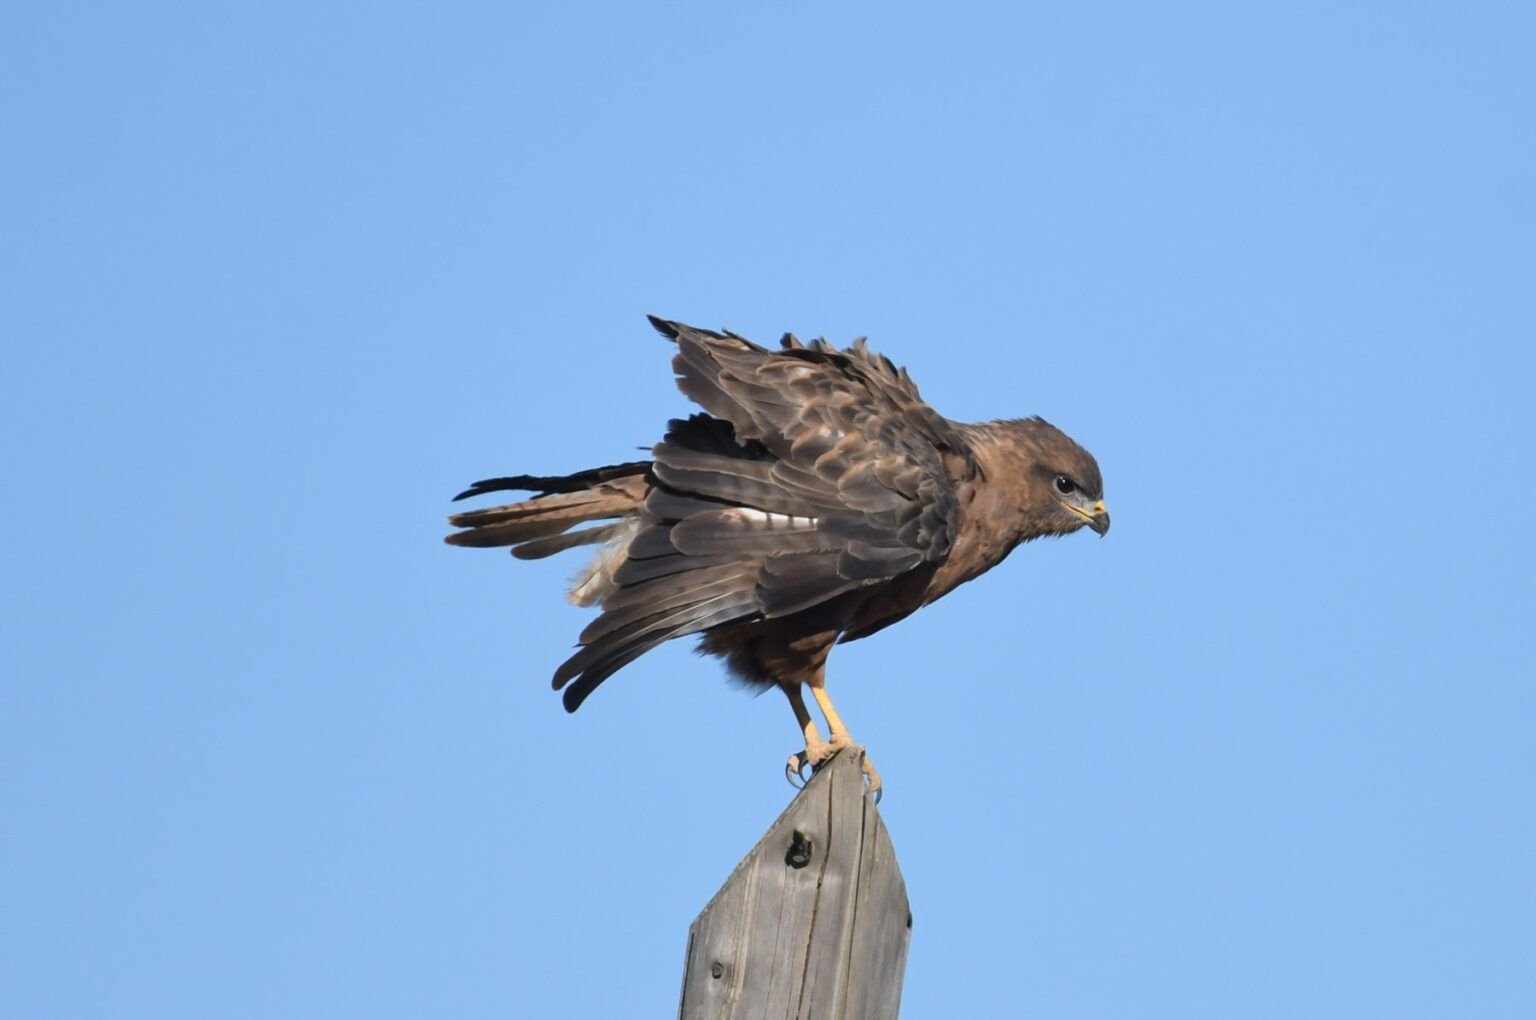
[1100, 520]
[1096, 517]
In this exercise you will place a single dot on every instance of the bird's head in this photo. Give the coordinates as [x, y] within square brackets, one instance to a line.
[1063, 490]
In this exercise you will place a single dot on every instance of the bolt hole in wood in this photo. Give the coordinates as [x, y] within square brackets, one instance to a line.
[800, 848]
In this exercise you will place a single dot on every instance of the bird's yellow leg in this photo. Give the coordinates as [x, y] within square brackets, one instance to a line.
[841, 738]
[816, 750]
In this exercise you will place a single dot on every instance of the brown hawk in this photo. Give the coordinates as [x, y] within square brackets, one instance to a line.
[818, 499]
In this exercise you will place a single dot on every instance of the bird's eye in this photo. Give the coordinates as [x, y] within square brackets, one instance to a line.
[1065, 485]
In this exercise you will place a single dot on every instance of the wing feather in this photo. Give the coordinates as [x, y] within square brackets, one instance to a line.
[813, 473]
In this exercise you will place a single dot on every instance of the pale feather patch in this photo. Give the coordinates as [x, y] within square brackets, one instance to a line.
[594, 582]
[774, 521]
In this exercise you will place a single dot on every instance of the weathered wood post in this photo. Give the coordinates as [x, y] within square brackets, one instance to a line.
[814, 922]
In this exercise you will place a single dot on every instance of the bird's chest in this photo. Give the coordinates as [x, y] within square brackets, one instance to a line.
[987, 534]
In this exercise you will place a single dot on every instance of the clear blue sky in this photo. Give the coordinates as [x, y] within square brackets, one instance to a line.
[279, 279]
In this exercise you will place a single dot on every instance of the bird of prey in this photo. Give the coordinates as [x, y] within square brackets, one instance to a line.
[817, 499]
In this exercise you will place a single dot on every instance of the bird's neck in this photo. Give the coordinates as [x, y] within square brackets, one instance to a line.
[993, 500]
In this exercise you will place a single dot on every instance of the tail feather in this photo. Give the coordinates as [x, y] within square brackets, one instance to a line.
[551, 484]
[563, 502]
[542, 547]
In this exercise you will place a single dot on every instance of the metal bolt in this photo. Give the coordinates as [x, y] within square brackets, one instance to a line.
[717, 969]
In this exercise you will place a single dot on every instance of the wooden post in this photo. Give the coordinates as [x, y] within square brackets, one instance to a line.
[814, 922]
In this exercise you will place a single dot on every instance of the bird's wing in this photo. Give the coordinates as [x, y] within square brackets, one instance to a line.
[815, 472]
[848, 443]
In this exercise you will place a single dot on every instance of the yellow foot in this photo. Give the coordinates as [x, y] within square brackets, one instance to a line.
[818, 754]
[815, 755]
[871, 777]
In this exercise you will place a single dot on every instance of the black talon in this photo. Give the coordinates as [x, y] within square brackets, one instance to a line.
[794, 769]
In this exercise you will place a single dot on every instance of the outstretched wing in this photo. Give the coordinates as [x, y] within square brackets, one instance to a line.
[816, 472]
